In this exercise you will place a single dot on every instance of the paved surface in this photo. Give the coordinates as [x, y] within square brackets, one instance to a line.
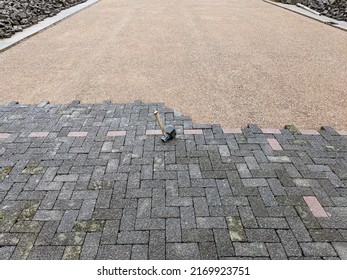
[220, 61]
[96, 182]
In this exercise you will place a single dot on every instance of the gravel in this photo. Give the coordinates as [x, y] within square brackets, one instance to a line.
[15, 15]
[336, 9]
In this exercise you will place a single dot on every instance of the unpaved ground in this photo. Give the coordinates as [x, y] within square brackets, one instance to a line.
[221, 61]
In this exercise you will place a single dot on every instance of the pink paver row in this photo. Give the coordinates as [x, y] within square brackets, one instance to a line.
[116, 133]
[271, 131]
[315, 207]
[4, 135]
[309, 132]
[275, 145]
[41, 134]
[232, 130]
[77, 134]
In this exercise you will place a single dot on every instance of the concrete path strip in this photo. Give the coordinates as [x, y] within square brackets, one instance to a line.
[32, 30]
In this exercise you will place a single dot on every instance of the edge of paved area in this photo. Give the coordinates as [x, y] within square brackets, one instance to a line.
[326, 20]
[226, 130]
[42, 25]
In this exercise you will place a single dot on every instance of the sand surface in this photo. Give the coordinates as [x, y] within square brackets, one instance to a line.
[220, 61]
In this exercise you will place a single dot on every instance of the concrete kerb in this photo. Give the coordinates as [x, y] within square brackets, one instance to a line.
[36, 28]
[326, 20]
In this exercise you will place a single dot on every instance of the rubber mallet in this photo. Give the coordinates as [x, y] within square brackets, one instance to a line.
[168, 133]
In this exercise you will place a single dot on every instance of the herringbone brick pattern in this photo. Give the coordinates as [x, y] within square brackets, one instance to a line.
[93, 181]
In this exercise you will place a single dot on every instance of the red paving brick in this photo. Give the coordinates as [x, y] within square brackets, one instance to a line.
[39, 134]
[116, 133]
[271, 131]
[4, 135]
[232, 130]
[309, 132]
[275, 145]
[193, 131]
[77, 134]
[315, 207]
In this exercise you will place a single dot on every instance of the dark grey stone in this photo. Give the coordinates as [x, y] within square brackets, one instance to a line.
[182, 251]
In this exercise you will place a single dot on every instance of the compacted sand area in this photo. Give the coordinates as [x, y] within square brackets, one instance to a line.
[220, 61]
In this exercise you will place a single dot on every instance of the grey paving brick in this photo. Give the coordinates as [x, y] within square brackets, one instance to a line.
[90, 246]
[173, 230]
[187, 217]
[49, 186]
[147, 172]
[114, 252]
[6, 252]
[133, 237]
[299, 229]
[171, 188]
[318, 249]
[289, 243]
[179, 201]
[258, 207]
[211, 222]
[158, 197]
[156, 250]
[243, 170]
[139, 252]
[165, 212]
[46, 253]
[66, 191]
[48, 215]
[68, 220]
[267, 196]
[194, 171]
[112, 165]
[182, 251]
[247, 217]
[254, 249]
[67, 204]
[235, 200]
[224, 188]
[200, 207]
[144, 208]
[276, 187]
[85, 194]
[341, 249]
[110, 232]
[66, 178]
[269, 222]
[149, 224]
[208, 251]
[128, 219]
[224, 150]
[261, 235]
[49, 200]
[307, 217]
[276, 251]
[197, 235]
[327, 235]
[87, 209]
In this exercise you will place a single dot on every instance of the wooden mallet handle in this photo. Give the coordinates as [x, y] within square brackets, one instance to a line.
[160, 123]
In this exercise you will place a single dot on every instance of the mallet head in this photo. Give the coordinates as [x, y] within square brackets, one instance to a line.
[170, 134]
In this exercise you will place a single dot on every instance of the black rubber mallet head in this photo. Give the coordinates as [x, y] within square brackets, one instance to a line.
[168, 132]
